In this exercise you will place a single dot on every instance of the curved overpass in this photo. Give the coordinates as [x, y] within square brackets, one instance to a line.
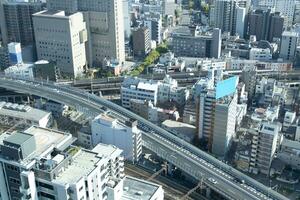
[230, 183]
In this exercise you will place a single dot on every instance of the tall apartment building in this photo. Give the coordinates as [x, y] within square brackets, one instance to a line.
[105, 25]
[265, 25]
[154, 22]
[16, 21]
[193, 43]
[216, 115]
[264, 145]
[288, 46]
[62, 39]
[141, 39]
[224, 124]
[225, 15]
[123, 134]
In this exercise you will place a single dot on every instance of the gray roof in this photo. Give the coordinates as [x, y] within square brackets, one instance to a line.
[18, 138]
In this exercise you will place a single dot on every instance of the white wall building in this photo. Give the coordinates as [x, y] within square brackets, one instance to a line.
[135, 88]
[23, 71]
[290, 153]
[124, 135]
[62, 39]
[260, 54]
[288, 45]
[168, 90]
[11, 114]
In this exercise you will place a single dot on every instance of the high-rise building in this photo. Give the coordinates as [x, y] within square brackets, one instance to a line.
[264, 145]
[154, 23]
[240, 21]
[224, 15]
[265, 25]
[216, 115]
[285, 7]
[224, 124]
[62, 39]
[105, 25]
[141, 39]
[288, 46]
[16, 21]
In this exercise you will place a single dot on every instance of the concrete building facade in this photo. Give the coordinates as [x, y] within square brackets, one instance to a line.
[61, 38]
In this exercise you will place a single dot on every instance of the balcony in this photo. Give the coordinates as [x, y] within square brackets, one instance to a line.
[25, 191]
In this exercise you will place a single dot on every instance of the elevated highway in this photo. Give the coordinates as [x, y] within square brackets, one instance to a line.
[231, 183]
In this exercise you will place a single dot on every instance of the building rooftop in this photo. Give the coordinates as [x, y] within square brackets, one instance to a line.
[45, 139]
[83, 164]
[138, 189]
[22, 111]
[180, 128]
[105, 150]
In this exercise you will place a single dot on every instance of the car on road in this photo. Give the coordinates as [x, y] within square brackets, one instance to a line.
[213, 180]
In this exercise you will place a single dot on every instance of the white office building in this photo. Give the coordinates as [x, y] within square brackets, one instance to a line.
[260, 54]
[288, 45]
[62, 39]
[105, 24]
[12, 114]
[141, 89]
[23, 71]
[123, 134]
[168, 90]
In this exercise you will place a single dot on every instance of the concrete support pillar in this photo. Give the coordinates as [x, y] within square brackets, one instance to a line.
[170, 168]
[208, 192]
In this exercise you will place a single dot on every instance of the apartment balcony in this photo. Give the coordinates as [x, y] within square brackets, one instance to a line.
[25, 191]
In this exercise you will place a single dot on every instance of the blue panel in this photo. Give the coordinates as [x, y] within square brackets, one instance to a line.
[226, 87]
[15, 58]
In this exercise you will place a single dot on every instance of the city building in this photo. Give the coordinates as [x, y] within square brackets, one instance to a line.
[16, 21]
[265, 24]
[59, 39]
[264, 146]
[289, 153]
[154, 23]
[240, 25]
[12, 114]
[123, 134]
[288, 45]
[4, 57]
[136, 88]
[169, 91]
[260, 54]
[184, 131]
[224, 16]
[216, 115]
[22, 70]
[196, 43]
[105, 24]
[141, 40]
